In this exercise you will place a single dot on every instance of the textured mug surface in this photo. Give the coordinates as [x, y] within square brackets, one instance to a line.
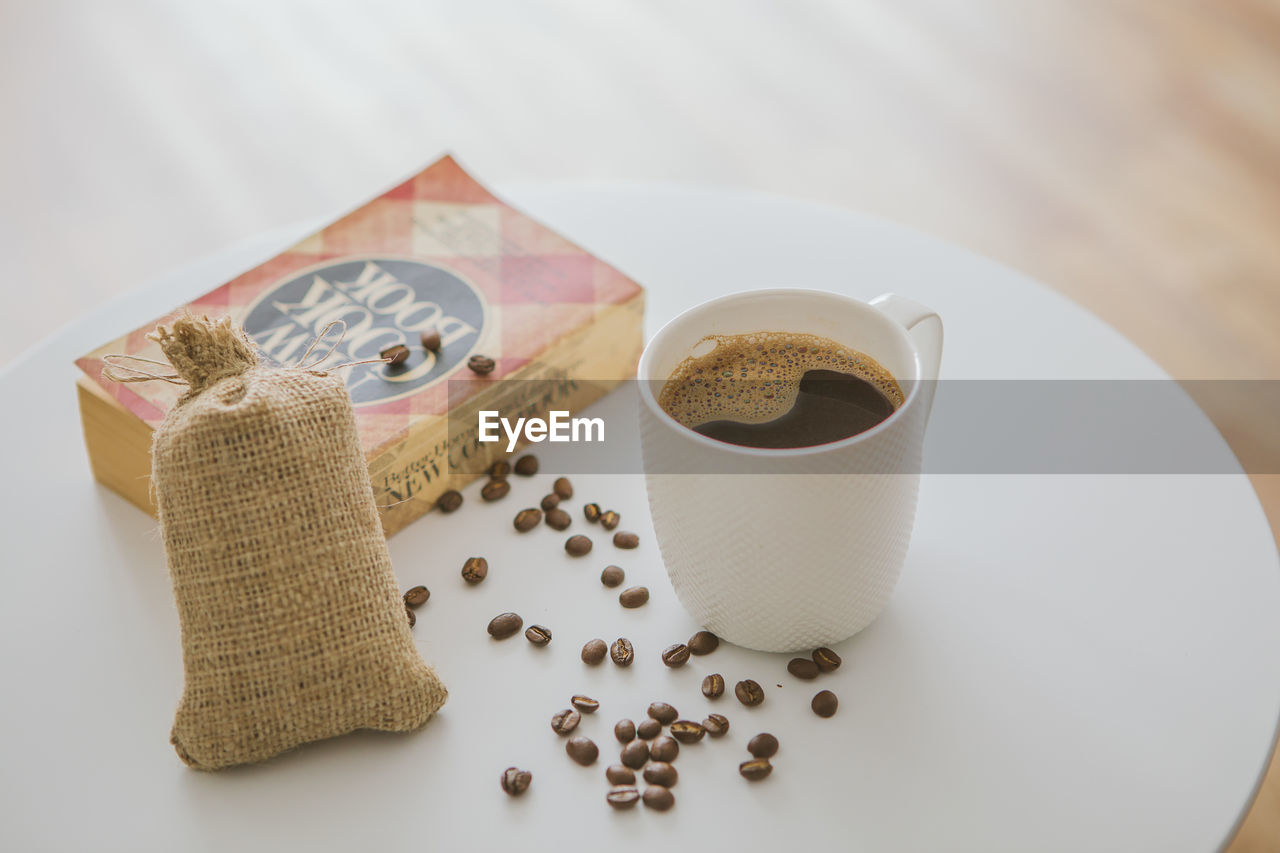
[786, 550]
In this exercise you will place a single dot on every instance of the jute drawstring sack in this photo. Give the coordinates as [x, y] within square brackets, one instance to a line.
[293, 629]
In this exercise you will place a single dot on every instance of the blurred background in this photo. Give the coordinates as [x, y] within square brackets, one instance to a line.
[1125, 152]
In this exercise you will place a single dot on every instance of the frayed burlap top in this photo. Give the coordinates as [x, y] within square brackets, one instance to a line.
[293, 628]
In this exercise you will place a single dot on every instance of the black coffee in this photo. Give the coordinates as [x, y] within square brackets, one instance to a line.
[779, 390]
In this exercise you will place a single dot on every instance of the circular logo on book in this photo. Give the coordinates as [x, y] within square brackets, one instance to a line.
[384, 301]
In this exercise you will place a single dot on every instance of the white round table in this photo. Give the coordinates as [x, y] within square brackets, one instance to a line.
[1069, 662]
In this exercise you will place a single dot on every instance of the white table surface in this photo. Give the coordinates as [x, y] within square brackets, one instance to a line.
[1069, 663]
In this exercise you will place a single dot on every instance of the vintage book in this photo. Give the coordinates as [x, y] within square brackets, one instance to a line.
[436, 252]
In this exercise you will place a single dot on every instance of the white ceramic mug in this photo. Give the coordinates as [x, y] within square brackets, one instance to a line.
[784, 550]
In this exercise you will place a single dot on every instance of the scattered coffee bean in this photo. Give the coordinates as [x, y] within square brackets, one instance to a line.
[495, 489]
[582, 750]
[563, 722]
[481, 365]
[620, 774]
[475, 569]
[413, 617]
[658, 798]
[755, 769]
[612, 576]
[648, 729]
[716, 725]
[609, 519]
[624, 731]
[623, 539]
[578, 545]
[687, 731]
[664, 748]
[703, 643]
[558, 519]
[417, 596]
[676, 655]
[661, 773]
[563, 488]
[395, 355]
[430, 339]
[593, 652]
[803, 668]
[585, 704]
[636, 596]
[500, 470]
[623, 797]
[749, 692]
[516, 781]
[449, 501]
[527, 465]
[592, 512]
[622, 652]
[763, 745]
[713, 686]
[663, 713]
[635, 754]
[527, 519]
[504, 625]
[550, 502]
[539, 635]
[824, 704]
[827, 660]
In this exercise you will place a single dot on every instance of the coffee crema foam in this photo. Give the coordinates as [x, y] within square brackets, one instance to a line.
[755, 377]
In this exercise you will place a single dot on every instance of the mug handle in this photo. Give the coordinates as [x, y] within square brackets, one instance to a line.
[925, 328]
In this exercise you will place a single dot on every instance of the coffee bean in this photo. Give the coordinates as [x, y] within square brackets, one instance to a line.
[592, 512]
[413, 617]
[622, 652]
[585, 704]
[824, 704]
[676, 655]
[417, 596]
[527, 465]
[658, 798]
[624, 731]
[563, 722]
[612, 576]
[495, 489]
[755, 769]
[539, 635]
[558, 519]
[802, 668]
[635, 754]
[475, 569]
[563, 488]
[620, 774]
[763, 745]
[703, 643]
[661, 773]
[664, 748]
[504, 625]
[430, 339]
[687, 731]
[395, 355]
[527, 519]
[449, 501]
[827, 660]
[748, 692]
[516, 781]
[636, 596]
[663, 713]
[582, 750]
[713, 686]
[500, 470]
[593, 652]
[648, 729]
[623, 797]
[481, 365]
[716, 725]
[622, 539]
[578, 545]
[550, 502]
[609, 519]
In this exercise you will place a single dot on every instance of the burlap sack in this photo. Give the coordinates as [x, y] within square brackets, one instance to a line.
[293, 629]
